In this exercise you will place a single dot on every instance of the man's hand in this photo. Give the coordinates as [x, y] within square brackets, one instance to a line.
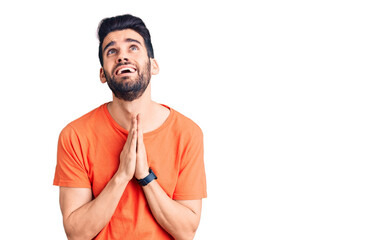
[142, 167]
[127, 163]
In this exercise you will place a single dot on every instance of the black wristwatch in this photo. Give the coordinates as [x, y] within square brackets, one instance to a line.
[151, 176]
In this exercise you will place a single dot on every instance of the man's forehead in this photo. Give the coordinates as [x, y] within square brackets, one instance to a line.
[122, 36]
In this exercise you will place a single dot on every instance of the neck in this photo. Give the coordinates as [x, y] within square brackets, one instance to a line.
[122, 110]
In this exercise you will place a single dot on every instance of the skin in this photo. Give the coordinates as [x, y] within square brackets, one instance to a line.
[178, 218]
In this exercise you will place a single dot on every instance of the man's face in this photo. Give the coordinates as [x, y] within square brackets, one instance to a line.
[126, 65]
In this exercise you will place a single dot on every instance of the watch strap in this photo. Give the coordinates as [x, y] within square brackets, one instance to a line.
[151, 176]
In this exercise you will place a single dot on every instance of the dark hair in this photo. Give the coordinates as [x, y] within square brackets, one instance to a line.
[122, 22]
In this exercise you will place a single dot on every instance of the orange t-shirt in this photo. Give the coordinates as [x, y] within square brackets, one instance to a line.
[88, 157]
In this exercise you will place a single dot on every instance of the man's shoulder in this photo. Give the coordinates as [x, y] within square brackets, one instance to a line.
[87, 121]
[185, 124]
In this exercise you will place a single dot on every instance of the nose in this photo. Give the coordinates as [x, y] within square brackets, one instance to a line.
[121, 59]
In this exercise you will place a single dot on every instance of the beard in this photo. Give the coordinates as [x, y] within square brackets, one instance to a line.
[133, 89]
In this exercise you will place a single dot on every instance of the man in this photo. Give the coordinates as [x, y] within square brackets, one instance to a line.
[131, 168]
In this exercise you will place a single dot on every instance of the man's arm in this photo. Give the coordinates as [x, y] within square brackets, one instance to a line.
[178, 218]
[83, 217]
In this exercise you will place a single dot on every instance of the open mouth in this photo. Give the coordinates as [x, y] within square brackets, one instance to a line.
[125, 69]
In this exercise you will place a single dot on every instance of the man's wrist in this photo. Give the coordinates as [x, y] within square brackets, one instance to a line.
[121, 178]
[147, 179]
[143, 175]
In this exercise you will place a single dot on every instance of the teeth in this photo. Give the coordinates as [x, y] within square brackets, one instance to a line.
[127, 69]
[122, 70]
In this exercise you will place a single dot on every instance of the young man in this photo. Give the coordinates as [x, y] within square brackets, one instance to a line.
[131, 168]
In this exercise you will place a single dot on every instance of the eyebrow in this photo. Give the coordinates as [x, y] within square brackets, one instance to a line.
[126, 40]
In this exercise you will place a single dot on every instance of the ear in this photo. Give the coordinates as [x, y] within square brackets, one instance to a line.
[154, 67]
[102, 75]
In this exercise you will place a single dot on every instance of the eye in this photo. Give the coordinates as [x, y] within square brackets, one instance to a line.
[111, 51]
[133, 48]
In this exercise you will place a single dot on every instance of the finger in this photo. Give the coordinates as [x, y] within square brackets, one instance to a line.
[134, 121]
[133, 141]
[134, 137]
[140, 139]
[131, 126]
[138, 118]
[132, 130]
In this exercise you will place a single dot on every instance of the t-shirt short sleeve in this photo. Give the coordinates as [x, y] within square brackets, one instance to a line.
[191, 183]
[71, 169]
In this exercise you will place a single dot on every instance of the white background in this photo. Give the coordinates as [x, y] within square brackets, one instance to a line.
[293, 98]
